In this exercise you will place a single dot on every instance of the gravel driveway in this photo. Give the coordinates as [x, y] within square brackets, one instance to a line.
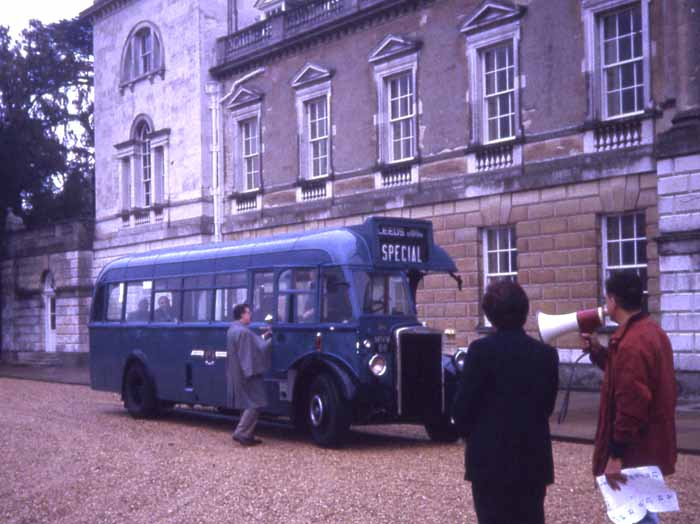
[73, 455]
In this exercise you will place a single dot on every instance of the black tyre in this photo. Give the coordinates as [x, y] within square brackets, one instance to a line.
[442, 430]
[327, 413]
[140, 393]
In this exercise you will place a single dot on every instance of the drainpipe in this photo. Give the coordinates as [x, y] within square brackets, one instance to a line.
[213, 89]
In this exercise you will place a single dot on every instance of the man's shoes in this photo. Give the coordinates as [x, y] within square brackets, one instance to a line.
[247, 442]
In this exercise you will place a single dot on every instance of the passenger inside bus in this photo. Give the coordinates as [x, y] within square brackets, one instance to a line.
[337, 305]
[142, 313]
[164, 312]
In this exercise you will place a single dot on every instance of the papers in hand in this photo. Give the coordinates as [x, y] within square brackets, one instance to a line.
[644, 491]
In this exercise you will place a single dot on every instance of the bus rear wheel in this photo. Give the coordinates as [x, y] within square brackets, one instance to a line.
[327, 414]
[139, 393]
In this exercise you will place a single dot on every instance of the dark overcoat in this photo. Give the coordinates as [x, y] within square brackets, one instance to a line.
[249, 356]
[506, 394]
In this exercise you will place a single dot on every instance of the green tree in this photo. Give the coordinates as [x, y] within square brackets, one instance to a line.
[46, 121]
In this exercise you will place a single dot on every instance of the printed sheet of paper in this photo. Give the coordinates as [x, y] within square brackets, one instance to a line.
[644, 491]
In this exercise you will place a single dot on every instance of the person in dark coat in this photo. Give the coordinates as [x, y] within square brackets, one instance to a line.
[249, 356]
[506, 394]
[636, 420]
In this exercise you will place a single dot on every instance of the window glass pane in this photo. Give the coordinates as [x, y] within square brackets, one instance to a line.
[610, 27]
[226, 299]
[503, 259]
[628, 252]
[610, 52]
[232, 280]
[613, 227]
[628, 226]
[493, 263]
[115, 301]
[285, 280]
[138, 301]
[196, 305]
[335, 296]
[625, 48]
[625, 22]
[305, 279]
[628, 75]
[305, 307]
[263, 295]
[167, 283]
[513, 261]
[641, 225]
[614, 254]
[502, 80]
[642, 252]
[491, 239]
[167, 306]
[490, 83]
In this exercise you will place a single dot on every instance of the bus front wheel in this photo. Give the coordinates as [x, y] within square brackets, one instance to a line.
[139, 393]
[328, 416]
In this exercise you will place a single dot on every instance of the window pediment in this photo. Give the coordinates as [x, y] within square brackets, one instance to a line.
[310, 74]
[243, 96]
[393, 46]
[491, 13]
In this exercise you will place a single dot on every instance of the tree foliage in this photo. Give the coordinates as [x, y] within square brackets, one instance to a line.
[46, 121]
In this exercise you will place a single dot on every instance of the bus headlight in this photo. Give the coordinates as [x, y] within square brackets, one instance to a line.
[367, 343]
[458, 359]
[377, 365]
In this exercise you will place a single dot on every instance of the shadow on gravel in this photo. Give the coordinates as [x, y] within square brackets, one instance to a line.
[360, 437]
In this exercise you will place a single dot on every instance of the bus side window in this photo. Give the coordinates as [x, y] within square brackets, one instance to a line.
[263, 295]
[196, 299]
[231, 289]
[167, 300]
[296, 301]
[115, 299]
[138, 301]
[98, 305]
[335, 296]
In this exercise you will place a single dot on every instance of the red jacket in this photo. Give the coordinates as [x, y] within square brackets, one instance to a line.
[637, 397]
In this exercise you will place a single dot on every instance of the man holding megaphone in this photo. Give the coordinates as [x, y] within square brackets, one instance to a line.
[636, 420]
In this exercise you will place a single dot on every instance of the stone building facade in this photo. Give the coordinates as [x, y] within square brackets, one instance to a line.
[547, 141]
[46, 291]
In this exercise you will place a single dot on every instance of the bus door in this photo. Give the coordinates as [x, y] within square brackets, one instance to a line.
[296, 327]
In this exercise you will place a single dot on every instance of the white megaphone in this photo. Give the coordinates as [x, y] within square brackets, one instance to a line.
[585, 321]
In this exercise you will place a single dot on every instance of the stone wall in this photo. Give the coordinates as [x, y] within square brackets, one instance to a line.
[679, 224]
[63, 253]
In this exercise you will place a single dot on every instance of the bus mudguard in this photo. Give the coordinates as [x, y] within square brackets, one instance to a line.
[311, 364]
[138, 356]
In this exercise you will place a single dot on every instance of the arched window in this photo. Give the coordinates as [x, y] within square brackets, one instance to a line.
[143, 53]
[144, 154]
[142, 169]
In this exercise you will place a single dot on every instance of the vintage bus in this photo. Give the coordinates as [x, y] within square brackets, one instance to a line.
[347, 347]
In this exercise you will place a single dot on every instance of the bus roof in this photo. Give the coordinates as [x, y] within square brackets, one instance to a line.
[352, 245]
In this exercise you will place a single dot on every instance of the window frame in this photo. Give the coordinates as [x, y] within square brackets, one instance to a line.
[605, 264]
[305, 96]
[479, 43]
[239, 116]
[133, 68]
[383, 72]
[512, 247]
[593, 12]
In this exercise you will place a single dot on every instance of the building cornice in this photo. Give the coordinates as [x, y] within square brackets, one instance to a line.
[259, 43]
[102, 8]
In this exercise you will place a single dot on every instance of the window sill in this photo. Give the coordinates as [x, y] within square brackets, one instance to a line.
[150, 76]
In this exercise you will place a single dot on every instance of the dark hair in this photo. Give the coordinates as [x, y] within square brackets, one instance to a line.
[505, 304]
[238, 310]
[627, 288]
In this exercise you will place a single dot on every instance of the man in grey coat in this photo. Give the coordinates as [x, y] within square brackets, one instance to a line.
[249, 356]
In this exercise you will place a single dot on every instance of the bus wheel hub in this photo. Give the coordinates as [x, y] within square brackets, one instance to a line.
[316, 410]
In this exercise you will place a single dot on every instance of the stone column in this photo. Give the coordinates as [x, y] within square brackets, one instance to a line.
[678, 169]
